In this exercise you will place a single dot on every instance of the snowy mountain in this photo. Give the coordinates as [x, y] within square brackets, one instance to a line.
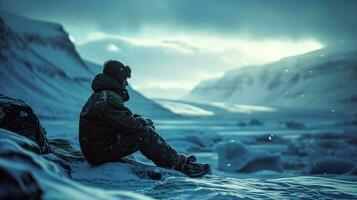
[323, 79]
[41, 66]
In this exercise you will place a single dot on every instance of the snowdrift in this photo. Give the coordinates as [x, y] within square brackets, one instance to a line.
[28, 175]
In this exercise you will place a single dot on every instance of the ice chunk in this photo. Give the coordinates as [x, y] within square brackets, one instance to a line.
[233, 156]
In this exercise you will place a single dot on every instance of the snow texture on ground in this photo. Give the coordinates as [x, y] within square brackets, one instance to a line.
[270, 161]
[34, 177]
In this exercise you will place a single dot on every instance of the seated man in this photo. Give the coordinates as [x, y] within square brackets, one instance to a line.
[109, 131]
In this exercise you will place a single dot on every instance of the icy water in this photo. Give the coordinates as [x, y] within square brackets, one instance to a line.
[199, 137]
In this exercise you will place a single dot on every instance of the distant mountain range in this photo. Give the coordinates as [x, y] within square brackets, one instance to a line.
[323, 79]
[40, 65]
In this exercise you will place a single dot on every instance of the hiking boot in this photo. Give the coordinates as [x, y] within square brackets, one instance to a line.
[193, 169]
[192, 158]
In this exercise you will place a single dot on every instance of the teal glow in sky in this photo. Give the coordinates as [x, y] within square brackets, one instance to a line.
[173, 45]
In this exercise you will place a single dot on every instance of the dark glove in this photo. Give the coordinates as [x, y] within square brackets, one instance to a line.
[141, 122]
[145, 122]
[151, 123]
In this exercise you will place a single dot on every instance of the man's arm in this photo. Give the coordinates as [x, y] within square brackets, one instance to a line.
[149, 122]
[120, 117]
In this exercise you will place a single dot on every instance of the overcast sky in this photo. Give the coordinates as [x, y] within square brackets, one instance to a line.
[236, 33]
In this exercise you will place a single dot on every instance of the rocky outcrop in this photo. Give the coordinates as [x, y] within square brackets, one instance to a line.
[18, 117]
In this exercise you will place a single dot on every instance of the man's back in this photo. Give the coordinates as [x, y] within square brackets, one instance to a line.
[102, 118]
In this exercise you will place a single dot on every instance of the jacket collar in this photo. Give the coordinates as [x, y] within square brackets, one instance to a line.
[105, 82]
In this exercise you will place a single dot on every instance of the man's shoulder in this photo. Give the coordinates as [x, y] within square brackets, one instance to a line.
[109, 96]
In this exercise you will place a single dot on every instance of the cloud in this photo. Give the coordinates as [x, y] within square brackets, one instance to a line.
[329, 21]
[177, 43]
[164, 63]
[112, 47]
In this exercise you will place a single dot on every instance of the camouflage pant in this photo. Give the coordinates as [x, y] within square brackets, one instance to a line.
[149, 143]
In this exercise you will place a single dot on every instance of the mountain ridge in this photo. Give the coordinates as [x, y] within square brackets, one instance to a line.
[41, 66]
[321, 79]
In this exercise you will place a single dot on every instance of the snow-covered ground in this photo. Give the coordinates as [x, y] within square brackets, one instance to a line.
[252, 156]
[251, 159]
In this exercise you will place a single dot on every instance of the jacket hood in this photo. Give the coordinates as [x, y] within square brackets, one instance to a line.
[105, 82]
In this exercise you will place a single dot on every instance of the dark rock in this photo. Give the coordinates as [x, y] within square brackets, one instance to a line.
[17, 116]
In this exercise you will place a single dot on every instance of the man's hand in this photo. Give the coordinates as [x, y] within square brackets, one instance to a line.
[141, 121]
[145, 121]
[150, 123]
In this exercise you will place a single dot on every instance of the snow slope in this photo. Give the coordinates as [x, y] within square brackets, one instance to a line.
[30, 76]
[324, 79]
[41, 66]
[28, 175]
